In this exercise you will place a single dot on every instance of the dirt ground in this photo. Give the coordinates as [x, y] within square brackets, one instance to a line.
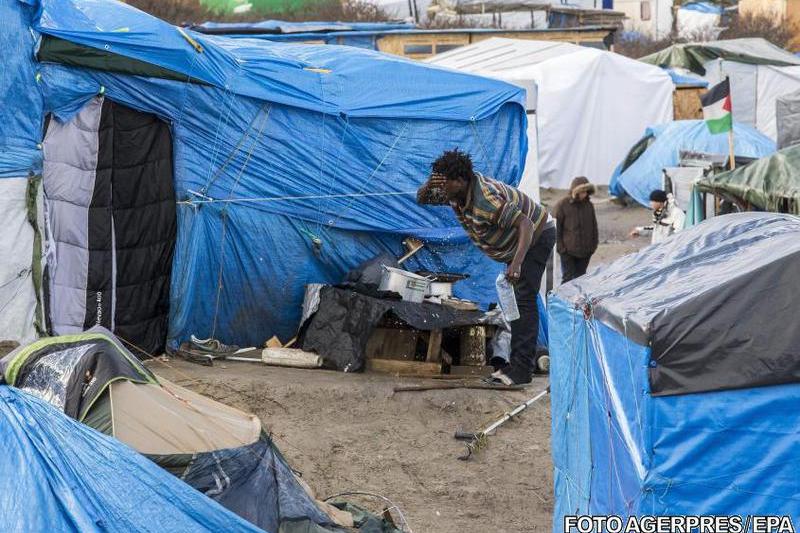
[350, 432]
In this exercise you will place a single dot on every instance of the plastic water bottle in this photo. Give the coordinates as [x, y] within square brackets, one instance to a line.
[506, 297]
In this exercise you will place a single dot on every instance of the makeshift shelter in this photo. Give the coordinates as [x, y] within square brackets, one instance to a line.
[291, 164]
[63, 476]
[218, 450]
[686, 98]
[641, 171]
[675, 376]
[771, 183]
[587, 106]
[756, 68]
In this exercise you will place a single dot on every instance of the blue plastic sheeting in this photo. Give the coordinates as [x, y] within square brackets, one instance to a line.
[20, 99]
[283, 26]
[264, 491]
[64, 476]
[704, 7]
[646, 174]
[684, 80]
[619, 451]
[349, 81]
[274, 196]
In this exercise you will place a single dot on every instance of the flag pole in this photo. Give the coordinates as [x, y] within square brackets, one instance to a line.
[732, 161]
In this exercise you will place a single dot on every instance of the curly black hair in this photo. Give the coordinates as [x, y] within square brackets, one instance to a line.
[454, 165]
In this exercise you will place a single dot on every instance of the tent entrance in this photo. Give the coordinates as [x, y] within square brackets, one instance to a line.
[111, 223]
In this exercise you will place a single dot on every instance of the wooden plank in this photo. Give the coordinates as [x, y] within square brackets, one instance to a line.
[403, 368]
[434, 347]
[470, 370]
[389, 343]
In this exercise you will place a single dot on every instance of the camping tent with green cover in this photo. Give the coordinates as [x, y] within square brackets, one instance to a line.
[759, 73]
[220, 451]
[771, 183]
[694, 56]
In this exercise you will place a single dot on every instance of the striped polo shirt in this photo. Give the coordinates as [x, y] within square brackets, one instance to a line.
[490, 212]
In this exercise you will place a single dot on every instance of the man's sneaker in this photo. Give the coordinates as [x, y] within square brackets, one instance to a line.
[499, 378]
[213, 346]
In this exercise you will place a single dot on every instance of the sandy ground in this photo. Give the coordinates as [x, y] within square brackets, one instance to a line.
[348, 432]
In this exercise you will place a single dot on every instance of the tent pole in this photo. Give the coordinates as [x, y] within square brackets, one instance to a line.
[730, 147]
[732, 163]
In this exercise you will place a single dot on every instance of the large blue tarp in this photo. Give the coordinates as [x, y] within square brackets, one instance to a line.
[646, 174]
[294, 163]
[20, 99]
[61, 475]
[623, 447]
[348, 81]
[619, 451]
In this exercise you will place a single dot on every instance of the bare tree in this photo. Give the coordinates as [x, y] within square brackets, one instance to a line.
[642, 45]
[780, 31]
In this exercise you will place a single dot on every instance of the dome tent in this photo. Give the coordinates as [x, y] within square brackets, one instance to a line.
[641, 171]
[675, 376]
[218, 450]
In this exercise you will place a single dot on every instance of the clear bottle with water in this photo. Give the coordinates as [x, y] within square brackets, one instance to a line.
[506, 298]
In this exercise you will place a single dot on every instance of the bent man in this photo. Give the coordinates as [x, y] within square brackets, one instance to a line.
[510, 228]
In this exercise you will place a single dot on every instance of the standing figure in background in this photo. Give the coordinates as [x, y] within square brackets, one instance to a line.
[668, 218]
[576, 228]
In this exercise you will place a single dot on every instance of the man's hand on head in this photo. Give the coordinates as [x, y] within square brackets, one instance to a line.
[437, 181]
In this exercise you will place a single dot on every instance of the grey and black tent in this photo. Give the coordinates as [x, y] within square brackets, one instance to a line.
[218, 450]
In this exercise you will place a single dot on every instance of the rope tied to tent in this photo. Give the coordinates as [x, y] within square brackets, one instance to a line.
[204, 199]
[225, 217]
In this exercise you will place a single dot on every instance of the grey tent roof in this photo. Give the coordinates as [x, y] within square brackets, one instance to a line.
[717, 303]
[693, 56]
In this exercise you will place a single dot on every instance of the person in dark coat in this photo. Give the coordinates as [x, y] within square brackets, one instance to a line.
[576, 229]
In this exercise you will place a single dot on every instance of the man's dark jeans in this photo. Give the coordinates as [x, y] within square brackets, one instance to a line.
[573, 267]
[525, 330]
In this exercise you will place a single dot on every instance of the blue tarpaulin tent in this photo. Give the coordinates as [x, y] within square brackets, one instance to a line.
[63, 476]
[675, 376]
[292, 163]
[642, 172]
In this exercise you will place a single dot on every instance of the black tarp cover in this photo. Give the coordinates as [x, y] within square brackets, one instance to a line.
[342, 325]
[717, 304]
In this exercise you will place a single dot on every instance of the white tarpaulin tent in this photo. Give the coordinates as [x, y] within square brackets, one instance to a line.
[759, 73]
[755, 90]
[590, 106]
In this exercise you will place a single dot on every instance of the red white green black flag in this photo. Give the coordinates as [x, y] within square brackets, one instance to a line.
[717, 108]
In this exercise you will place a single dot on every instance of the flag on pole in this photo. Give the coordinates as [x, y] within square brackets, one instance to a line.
[717, 108]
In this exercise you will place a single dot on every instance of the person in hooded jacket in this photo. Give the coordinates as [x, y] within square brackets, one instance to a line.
[576, 229]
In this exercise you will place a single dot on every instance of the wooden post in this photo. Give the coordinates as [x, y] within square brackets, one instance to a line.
[730, 146]
[732, 162]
